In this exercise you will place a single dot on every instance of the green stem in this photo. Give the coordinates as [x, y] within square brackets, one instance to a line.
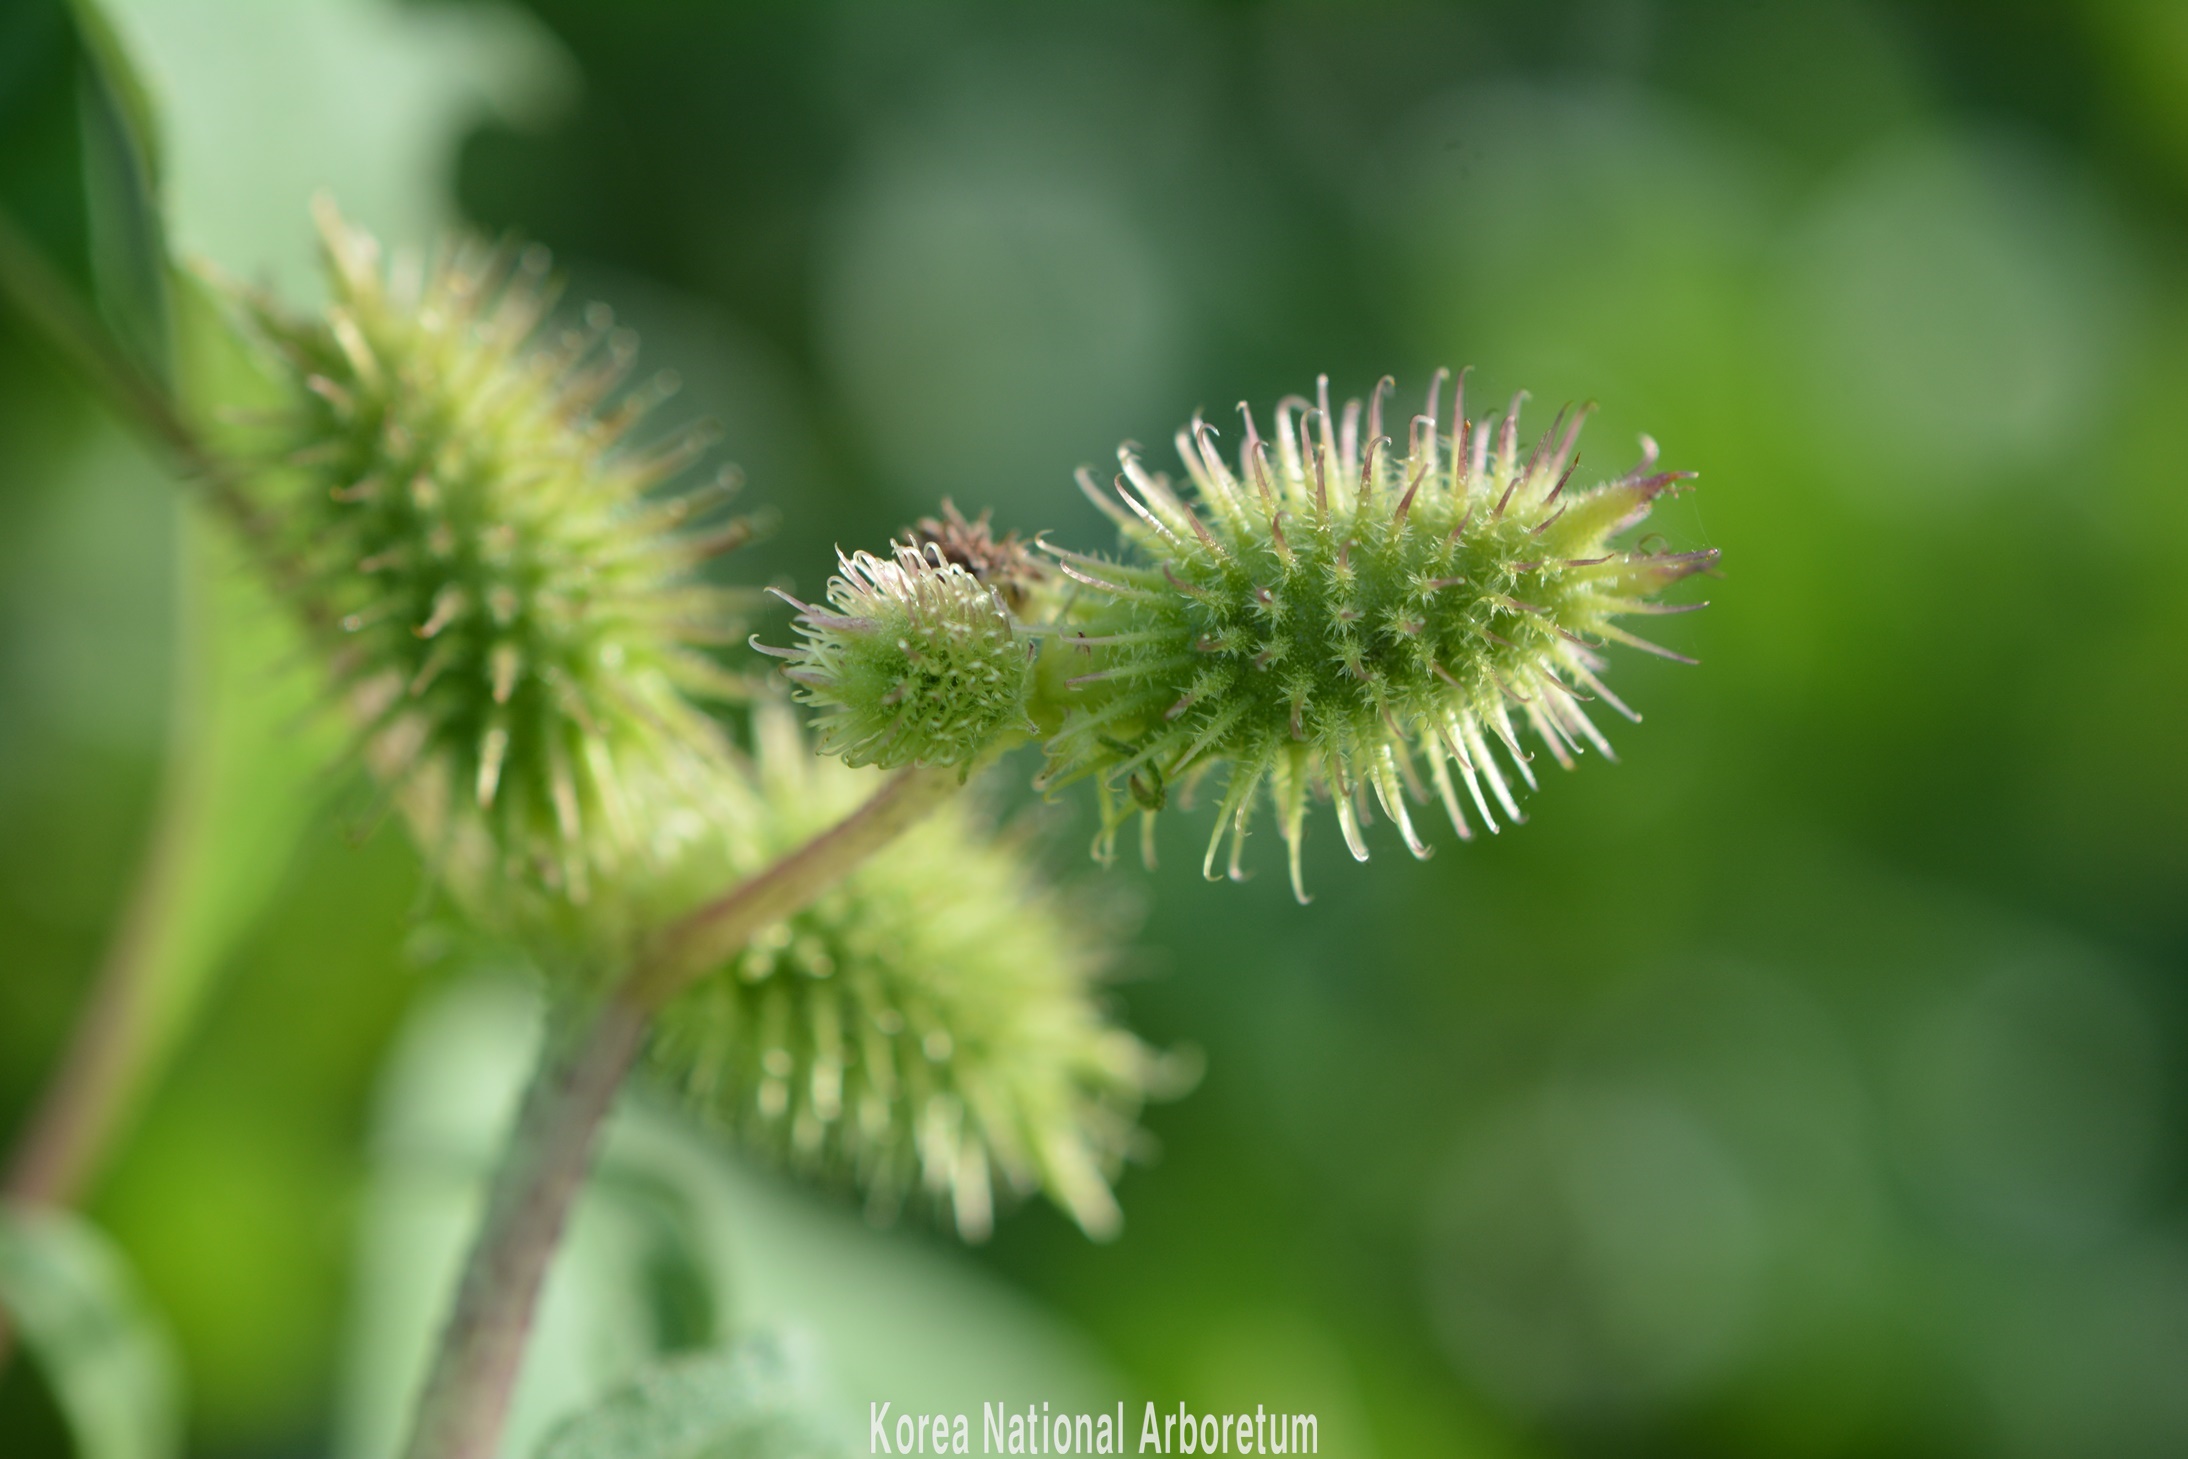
[467, 1390]
[705, 939]
[543, 1165]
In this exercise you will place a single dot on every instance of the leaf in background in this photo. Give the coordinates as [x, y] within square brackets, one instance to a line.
[79, 169]
[753, 1400]
[370, 98]
[254, 742]
[41, 143]
[250, 766]
[128, 234]
[80, 175]
[238, 772]
[75, 1306]
[244, 769]
[249, 752]
[134, 111]
[246, 746]
[266, 102]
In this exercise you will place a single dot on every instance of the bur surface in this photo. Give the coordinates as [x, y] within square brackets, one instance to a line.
[1336, 614]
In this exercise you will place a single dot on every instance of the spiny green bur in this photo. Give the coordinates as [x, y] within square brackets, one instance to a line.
[930, 1023]
[918, 663]
[515, 614]
[1334, 615]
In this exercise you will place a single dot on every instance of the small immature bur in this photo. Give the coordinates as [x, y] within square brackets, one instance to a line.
[914, 661]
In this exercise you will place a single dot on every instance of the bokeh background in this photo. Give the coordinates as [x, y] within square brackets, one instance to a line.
[1810, 1083]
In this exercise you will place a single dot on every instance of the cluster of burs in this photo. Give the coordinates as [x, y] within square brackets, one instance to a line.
[506, 581]
[509, 586]
[1323, 620]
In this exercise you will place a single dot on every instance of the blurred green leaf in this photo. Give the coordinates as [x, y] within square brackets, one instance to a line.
[117, 73]
[206, 864]
[370, 97]
[252, 746]
[41, 140]
[75, 1304]
[247, 741]
[752, 1400]
[253, 741]
[79, 169]
[127, 234]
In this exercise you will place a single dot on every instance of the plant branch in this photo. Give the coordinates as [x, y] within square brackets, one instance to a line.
[542, 1167]
[709, 936]
[467, 1391]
